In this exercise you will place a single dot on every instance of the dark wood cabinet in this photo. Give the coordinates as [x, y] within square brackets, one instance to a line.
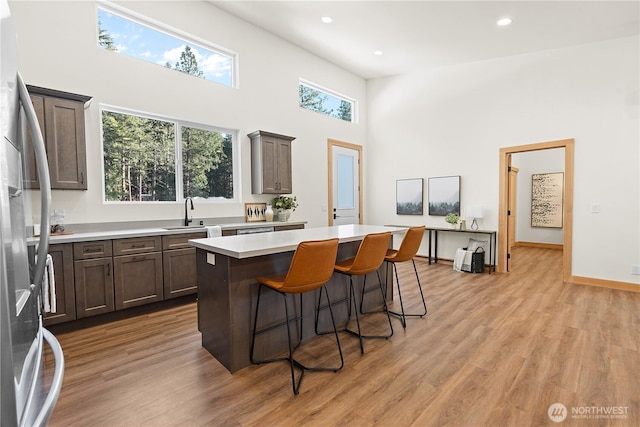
[288, 227]
[179, 265]
[62, 256]
[138, 279]
[93, 273]
[61, 118]
[270, 163]
[137, 264]
[94, 286]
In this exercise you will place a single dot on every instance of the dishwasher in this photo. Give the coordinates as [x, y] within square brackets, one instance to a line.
[255, 230]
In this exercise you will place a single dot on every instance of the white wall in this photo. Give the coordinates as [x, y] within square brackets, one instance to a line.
[530, 163]
[58, 49]
[454, 120]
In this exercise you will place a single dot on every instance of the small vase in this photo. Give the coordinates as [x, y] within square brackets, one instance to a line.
[287, 214]
[282, 216]
[268, 214]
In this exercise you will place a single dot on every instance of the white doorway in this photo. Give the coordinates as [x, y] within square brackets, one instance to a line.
[345, 176]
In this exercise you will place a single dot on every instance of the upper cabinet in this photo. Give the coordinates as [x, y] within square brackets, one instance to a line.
[270, 163]
[61, 117]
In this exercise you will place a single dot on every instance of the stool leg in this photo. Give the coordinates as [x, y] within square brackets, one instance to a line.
[255, 325]
[403, 316]
[424, 304]
[296, 386]
[355, 309]
[386, 309]
[335, 330]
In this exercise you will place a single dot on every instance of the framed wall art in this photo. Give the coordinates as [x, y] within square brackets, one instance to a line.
[547, 199]
[409, 196]
[444, 195]
[254, 212]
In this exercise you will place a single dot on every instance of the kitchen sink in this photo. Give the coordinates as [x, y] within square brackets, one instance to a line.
[185, 227]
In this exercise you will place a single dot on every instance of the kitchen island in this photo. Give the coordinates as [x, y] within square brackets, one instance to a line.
[227, 268]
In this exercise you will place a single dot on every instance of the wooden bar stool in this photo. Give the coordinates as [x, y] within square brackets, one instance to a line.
[311, 267]
[407, 251]
[368, 259]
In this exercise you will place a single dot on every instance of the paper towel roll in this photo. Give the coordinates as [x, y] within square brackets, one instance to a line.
[214, 231]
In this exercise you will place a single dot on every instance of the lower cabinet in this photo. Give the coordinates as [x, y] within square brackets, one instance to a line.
[98, 277]
[93, 272]
[62, 256]
[179, 265]
[138, 279]
[180, 276]
[94, 286]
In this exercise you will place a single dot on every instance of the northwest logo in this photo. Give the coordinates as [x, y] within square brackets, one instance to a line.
[557, 412]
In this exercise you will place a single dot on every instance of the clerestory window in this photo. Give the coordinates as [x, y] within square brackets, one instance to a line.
[133, 35]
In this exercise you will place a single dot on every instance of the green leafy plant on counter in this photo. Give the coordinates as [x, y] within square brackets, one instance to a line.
[285, 202]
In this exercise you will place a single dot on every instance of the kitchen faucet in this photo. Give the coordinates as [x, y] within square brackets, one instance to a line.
[187, 220]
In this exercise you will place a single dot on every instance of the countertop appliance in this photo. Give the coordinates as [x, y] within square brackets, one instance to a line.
[25, 398]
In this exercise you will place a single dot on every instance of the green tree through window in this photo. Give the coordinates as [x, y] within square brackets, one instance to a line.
[315, 99]
[140, 161]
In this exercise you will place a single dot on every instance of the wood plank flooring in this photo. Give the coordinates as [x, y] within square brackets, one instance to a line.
[494, 350]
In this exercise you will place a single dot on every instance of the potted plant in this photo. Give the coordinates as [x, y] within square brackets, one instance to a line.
[285, 204]
[452, 219]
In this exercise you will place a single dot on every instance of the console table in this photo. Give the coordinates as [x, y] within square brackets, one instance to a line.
[492, 242]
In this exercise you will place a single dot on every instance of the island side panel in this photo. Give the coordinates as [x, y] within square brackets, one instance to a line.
[214, 306]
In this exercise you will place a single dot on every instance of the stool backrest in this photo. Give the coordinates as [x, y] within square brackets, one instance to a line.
[410, 244]
[311, 266]
[371, 253]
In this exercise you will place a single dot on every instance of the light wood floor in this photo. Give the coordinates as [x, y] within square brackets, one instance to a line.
[494, 350]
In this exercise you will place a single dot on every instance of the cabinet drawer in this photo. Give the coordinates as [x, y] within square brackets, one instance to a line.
[288, 227]
[229, 232]
[89, 250]
[180, 241]
[137, 245]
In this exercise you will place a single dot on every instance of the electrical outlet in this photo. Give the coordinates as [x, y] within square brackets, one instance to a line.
[595, 208]
[635, 269]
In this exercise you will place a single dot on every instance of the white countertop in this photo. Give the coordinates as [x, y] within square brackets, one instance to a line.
[87, 236]
[252, 245]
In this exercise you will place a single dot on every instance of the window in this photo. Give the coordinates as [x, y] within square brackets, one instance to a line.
[315, 98]
[155, 159]
[121, 32]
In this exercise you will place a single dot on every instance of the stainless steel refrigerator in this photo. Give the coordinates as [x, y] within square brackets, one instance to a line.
[27, 398]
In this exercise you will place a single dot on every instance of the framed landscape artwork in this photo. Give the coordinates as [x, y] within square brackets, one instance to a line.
[547, 199]
[409, 196]
[444, 195]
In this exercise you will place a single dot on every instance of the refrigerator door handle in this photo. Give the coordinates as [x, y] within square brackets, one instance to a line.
[56, 383]
[45, 184]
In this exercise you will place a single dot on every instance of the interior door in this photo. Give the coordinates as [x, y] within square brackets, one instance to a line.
[513, 179]
[345, 203]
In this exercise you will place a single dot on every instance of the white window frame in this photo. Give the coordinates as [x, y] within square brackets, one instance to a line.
[353, 101]
[153, 24]
[235, 156]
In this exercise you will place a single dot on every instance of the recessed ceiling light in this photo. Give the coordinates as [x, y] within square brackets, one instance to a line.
[377, 52]
[326, 19]
[503, 22]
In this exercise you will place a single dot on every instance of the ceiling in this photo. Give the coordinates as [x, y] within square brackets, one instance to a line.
[420, 34]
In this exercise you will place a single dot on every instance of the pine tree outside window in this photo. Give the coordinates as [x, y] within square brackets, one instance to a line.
[153, 159]
[315, 98]
[129, 34]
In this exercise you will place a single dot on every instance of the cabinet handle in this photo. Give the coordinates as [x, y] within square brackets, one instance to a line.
[142, 245]
[108, 269]
[138, 258]
[92, 251]
[81, 177]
